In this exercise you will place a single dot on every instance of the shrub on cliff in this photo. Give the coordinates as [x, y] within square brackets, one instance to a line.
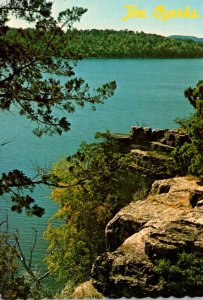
[183, 277]
[189, 157]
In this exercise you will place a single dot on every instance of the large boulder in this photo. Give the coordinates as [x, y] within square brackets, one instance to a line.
[168, 222]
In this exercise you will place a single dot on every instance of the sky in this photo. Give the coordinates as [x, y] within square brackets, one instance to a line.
[103, 14]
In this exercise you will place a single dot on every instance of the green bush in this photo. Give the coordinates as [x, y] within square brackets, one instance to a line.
[189, 157]
[182, 277]
[12, 285]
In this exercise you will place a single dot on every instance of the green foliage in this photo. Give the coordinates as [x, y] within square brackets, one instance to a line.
[99, 183]
[13, 183]
[195, 96]
[183, 277]
[38, 292]
[18, 279]
[189, 157]
[188, 160]
[12, 285]
[125, 43]
[32, 73]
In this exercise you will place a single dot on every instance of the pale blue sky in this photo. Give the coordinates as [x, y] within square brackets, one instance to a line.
[109, 13]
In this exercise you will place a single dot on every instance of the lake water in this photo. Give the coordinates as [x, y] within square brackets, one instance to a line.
[150, 92]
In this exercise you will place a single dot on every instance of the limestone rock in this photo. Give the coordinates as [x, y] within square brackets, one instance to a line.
[84, 290]
[169, 221]
[151, 163]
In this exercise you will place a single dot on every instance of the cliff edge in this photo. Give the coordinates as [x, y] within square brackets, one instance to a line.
[168, 222]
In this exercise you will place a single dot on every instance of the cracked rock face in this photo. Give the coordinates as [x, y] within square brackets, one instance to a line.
[169, 221]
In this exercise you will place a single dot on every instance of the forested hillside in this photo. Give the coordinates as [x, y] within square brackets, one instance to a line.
[111, 43]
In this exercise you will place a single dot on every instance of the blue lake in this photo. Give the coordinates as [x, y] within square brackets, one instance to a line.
[150, 92]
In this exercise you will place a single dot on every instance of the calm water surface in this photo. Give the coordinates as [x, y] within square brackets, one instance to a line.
[150, 92]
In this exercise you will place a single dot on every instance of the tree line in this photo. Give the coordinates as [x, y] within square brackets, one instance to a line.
[111, 43]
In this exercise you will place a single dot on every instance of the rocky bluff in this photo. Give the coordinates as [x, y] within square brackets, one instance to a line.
[162, 226]
[169, 221]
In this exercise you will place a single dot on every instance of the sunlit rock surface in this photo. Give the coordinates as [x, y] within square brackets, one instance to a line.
[169, 221]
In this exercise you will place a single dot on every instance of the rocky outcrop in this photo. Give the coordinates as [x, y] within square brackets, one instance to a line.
[151, 149]
[169, 221]
[144, 136]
